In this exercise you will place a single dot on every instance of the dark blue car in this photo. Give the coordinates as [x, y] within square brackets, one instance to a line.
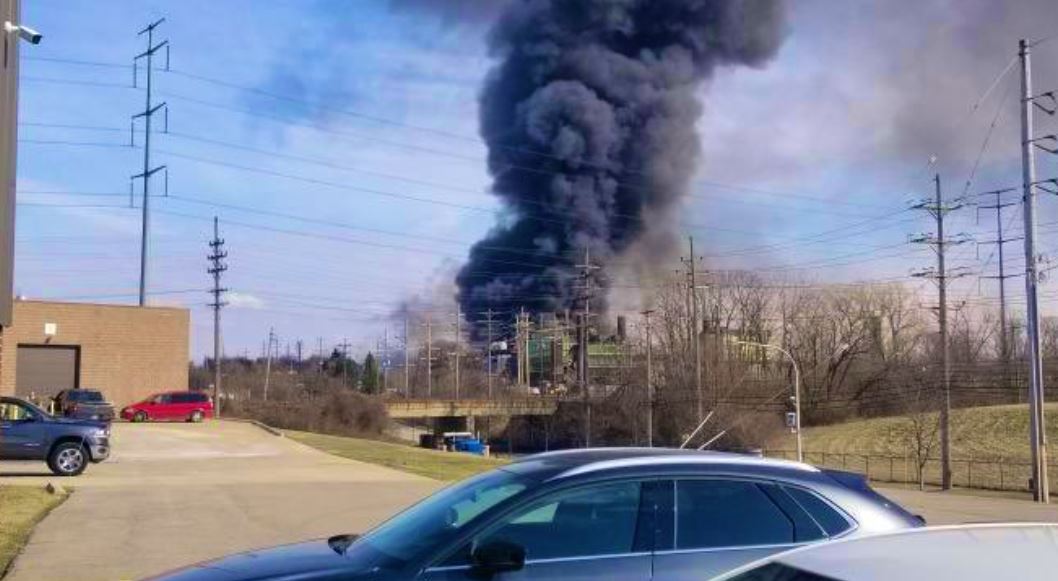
[634, 514]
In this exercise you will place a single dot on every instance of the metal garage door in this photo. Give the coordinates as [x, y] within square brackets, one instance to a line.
[44, 370]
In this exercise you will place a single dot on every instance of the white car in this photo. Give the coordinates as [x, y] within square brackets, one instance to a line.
[985, 552]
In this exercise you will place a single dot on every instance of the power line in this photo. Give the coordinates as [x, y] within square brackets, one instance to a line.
[461, 137]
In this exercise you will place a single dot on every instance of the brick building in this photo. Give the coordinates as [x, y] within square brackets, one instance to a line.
[124, 351]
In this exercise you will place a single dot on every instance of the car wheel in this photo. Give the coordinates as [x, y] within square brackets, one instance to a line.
[139, 416]
[68, 459]
[196, 416]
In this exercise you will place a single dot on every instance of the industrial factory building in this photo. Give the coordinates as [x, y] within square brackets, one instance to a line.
[126, 352]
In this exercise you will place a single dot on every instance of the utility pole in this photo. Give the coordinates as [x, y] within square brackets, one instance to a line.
[344, 346]
[429, 355]
[1047, 103]
[649, 380]
[147, 114]
[268, 360]
[299, 347]
[217, 267]
[522, 339]
[488, 351]
[692, 290]
[459, 316]
[998, 206]
[407, 347]
[938, 209]
[583, 372]
[319, 355]
[385, 359]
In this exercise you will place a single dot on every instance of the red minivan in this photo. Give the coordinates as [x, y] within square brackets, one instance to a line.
[190, 406]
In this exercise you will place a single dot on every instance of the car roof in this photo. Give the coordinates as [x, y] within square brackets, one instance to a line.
[570, 463]
[1022, 551]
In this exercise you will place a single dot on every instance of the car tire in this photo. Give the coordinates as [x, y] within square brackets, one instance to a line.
[196, 417]
[68, 459]
[139, 416]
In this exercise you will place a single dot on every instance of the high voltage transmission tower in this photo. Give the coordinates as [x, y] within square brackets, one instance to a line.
[429, 354]
[148, 114]
[458, 346]
[691, 264]
[586, 289]
[1048, 104]
[407, 367]
[1001, 277]
[216, 269]
[941, 275]
[488, 349]
[649, 379]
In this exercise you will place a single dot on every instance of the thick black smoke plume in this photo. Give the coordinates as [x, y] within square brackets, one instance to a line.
[589, 117]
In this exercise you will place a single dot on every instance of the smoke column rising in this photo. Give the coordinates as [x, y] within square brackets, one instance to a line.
[589, 116]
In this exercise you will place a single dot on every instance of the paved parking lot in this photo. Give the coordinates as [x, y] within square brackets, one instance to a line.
[172, 494]
[943, 508]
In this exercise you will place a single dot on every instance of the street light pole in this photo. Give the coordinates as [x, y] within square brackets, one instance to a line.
[797, 391]
[650, 385]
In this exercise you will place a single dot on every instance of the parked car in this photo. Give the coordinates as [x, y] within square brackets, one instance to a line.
[191, 406]
[66, 444]
[981, 552]
[85, 404]
[618, 513]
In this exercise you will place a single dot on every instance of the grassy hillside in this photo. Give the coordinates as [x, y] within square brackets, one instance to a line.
[445, 466]
[989, 447]
[985, 433]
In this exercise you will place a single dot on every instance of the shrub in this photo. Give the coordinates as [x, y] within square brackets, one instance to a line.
[339, 413]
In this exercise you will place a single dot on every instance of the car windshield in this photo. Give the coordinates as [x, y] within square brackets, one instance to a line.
[437, 518]
[86, 396]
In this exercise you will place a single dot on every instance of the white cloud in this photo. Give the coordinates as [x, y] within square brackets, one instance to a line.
[245, 301]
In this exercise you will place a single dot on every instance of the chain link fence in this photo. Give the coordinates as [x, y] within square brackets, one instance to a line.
[987, 474]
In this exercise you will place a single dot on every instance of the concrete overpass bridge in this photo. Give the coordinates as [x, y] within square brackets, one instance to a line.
[458, 415]
[450, 408]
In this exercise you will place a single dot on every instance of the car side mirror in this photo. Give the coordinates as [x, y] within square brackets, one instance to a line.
[498, 557]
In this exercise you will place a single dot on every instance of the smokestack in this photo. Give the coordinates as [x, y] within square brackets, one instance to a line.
[589, 116]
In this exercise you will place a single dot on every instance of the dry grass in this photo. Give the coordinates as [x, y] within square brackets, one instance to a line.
[444, 466]
[21, 507]
[989, 447]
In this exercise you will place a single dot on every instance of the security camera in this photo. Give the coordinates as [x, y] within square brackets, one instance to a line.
[24, 32]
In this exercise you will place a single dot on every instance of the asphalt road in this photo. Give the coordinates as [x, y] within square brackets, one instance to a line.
[173, 494]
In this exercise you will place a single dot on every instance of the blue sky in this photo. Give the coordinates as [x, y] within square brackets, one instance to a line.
[337, 143]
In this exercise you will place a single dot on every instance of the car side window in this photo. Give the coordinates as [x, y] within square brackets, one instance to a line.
[827, 516]
[728, 513]
[584, 522]
[179, 398]
[13, 412]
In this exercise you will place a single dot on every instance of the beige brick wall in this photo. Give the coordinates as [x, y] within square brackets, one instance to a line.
[127, 352]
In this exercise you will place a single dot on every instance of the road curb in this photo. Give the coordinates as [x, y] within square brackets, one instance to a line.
[262, 425]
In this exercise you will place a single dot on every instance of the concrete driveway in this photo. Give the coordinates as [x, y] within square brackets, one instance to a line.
[173, 494]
